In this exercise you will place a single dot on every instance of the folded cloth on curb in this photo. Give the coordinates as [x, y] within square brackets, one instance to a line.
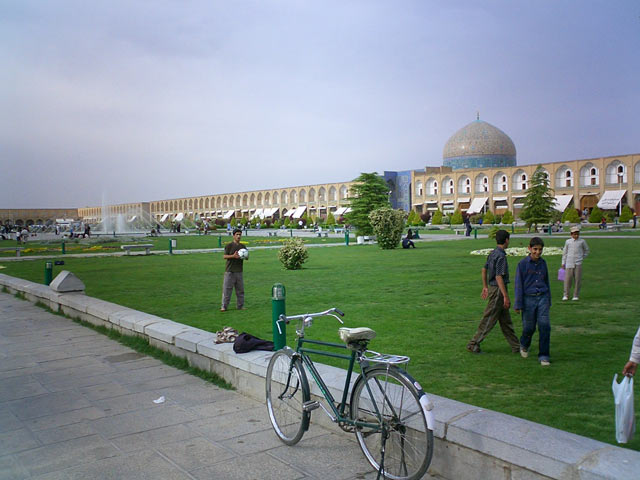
[247, 342]
[226, 335]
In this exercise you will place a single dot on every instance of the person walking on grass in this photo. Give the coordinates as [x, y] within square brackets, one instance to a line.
[630, 367]
[533, 299]
[495, 277]
[574, 252]
[233, 272]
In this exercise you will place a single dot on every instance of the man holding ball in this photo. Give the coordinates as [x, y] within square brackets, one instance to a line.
[233, 271]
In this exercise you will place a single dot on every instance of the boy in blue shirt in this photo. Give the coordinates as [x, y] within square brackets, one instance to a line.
[533, 298]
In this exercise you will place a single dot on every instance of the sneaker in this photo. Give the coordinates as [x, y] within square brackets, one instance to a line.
[523, 353]
[223, 309]
[565, 298]
[545, 363]
[575, 298]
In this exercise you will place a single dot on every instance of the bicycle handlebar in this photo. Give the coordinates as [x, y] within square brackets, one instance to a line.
[327, 313]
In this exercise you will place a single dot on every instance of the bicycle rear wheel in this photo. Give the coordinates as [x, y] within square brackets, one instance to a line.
[287, 389]
[401, 442]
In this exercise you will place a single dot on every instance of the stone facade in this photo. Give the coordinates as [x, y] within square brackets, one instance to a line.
[445, 189]
[35, 216]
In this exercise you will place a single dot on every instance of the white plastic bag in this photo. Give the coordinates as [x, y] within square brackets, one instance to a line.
[625, 415]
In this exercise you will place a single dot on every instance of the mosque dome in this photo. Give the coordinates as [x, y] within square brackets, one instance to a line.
[479, 145]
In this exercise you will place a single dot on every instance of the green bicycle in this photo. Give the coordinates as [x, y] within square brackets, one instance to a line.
[388, 410]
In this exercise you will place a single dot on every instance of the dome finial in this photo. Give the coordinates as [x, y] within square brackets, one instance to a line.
[477, 115]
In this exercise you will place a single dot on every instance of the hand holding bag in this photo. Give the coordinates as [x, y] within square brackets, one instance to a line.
[625, 415]
[561, 273]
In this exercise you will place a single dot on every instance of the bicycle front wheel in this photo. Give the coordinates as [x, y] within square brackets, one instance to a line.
[287, 389]
[400, 444]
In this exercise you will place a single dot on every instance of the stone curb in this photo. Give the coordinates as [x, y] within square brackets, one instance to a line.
[468, 439]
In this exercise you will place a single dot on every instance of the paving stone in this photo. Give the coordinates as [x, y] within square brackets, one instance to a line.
[260, 466]
[16, 441]
[61, 419]
[195, 453]
[105, 390]
[61, 434]
[130, 402]
[154, 438]
[233, 424]
[58, 402]
[141, 420]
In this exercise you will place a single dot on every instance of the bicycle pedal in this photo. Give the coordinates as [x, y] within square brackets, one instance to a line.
[310, 405]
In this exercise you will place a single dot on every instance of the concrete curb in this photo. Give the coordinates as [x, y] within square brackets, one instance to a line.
[470, 442]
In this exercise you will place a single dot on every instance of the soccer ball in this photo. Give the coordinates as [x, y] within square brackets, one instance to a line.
[243, 253]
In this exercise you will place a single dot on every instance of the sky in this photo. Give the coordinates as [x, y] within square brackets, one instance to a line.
[132, 100]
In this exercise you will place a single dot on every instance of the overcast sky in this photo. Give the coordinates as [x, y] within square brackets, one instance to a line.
[128, 101]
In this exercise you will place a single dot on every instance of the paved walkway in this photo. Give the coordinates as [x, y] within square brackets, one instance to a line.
[76, 405]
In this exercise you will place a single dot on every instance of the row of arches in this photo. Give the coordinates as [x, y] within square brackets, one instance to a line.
[588, 175]
[256, 199]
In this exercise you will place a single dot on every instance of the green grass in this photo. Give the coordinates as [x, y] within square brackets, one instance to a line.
[106, 244]
[424, 303]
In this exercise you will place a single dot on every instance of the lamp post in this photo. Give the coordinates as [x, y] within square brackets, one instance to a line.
[620, 178]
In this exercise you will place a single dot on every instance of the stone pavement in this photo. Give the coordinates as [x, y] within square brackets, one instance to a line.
[76, 405]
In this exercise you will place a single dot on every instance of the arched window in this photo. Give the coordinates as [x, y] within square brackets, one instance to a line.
[482, 183]
[344, 192]
[616, 172]
[275, 198]
[589, 175]
[419, 190]
[332, 194]
[259, 199]
[448, 186]
[245, 200]
[564, 177]
[283, 198]
[500, 182]
[636, 174]
[322, 194]
[267, 199]
[312, 195]
[432, 186]
[520, 181]
[293, 196]
[303, 195]
[252, 200]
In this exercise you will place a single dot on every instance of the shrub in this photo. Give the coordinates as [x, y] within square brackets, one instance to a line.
[571, 215]
[456, 218]
[388, 225]
[437, 218]
[234, 222]
[596, 215]
[475, 218]
[489, 217]
[293, 253]
[493, 231]
[626, 214]
[610, 216]
[425, 217]
[507, 217]
[331, 220]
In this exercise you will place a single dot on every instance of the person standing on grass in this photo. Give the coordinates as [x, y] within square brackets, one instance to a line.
[574, 252]
[233, 272]
[630, 368]
[495, 277]
[533, 299]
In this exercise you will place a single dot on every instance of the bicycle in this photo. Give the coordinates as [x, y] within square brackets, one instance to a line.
[388, 411]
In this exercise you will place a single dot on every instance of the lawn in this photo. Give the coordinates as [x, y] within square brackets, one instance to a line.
[423, 302]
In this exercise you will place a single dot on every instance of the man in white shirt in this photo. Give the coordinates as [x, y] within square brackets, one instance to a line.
[574, 251]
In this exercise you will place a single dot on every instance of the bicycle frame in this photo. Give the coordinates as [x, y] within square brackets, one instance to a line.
[338, 411]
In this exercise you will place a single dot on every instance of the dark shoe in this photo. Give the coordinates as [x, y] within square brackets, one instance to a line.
[240, 308]
[474, 349]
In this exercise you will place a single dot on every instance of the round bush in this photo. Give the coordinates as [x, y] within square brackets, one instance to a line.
[293, 254]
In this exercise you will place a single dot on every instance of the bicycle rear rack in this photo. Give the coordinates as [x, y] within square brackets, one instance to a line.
[386, 358]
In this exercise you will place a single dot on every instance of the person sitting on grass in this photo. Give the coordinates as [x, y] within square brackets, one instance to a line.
[407, 242]
[533, 299]
[603, 224]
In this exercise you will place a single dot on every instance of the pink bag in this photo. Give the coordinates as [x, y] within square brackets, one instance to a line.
[561, 272]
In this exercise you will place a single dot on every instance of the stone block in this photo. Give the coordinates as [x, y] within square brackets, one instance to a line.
[165, 331]
[137, 321]
[213, 350]
[189, 339]
[66, 281]
[77, 301]
[102, 309]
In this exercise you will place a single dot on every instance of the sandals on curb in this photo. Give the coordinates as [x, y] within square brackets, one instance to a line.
[226, 335]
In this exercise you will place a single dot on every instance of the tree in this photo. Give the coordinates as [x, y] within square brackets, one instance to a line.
[538, 204]
[437, 218]
[388, 225]
[570, 215]
[370, 192]
[331, 220]
[507, 217]
[413, 218]
[626, 214]
[596, 215]
[456, 218]
[488, 218]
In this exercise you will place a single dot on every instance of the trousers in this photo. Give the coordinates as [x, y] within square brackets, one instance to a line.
[573, 275]
[231, 280]
[494, 313]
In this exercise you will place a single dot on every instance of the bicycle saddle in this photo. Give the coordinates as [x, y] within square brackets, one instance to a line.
[353, 335]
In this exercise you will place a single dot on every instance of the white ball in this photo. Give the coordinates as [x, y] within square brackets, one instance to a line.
[243, 253]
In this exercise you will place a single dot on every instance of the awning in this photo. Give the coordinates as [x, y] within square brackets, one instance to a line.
[268, 212]
[229, 214]
[636, 192]
[340, 211]
[610, 199]
[299, 211]
[518, 196]
[164, 217]
[562, 202]
[477, 205]
[132, 219]
[500, 199]
[432, 209]
[447, 202]
[416, 204]
[178, 217]
[289, 213]
[258, 213]
[464, 200]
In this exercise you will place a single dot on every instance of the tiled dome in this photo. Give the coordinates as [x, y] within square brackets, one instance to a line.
[479, 145]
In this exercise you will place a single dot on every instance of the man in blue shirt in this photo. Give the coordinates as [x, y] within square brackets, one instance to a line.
[533, 299]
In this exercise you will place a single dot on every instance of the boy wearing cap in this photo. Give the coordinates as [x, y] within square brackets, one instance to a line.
[574, 252]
